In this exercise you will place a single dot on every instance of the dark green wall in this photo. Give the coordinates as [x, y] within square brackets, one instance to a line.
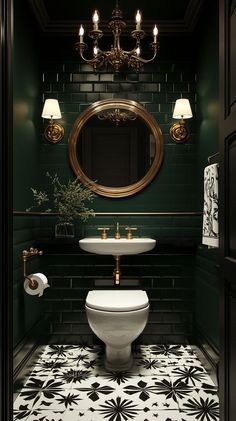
[26, 163]
[177, 186]
[207, 260]
[26, 74]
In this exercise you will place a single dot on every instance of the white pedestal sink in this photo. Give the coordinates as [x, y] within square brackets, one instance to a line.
[117, 248]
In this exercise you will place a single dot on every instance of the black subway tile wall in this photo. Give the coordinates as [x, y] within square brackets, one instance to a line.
[166, 273]
[76, 83]
[170, 291]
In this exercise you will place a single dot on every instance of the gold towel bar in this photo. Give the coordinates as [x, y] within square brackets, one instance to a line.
[212, 156]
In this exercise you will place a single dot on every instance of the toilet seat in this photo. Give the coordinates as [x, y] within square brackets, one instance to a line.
[114, 300]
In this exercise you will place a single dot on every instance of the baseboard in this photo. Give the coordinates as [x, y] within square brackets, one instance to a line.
[26, 348]
[208, 349]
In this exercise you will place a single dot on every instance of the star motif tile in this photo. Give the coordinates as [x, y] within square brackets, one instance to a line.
[70, 383]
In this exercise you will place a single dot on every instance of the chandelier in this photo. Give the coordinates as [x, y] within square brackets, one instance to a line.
[116, 56]
[117, 116]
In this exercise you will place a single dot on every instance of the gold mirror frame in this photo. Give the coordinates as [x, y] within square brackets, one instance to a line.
[149, 120]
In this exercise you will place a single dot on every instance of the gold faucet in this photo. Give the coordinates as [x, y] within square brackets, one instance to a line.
[129, 234]
[117, 234]
[103, 234]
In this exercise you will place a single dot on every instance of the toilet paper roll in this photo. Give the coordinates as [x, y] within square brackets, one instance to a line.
[40, 284]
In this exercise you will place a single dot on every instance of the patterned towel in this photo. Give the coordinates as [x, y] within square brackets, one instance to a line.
[210, 230]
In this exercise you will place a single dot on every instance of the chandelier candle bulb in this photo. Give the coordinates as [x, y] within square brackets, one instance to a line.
[138, 51]
[95, 51]
[138, 21]
[81, 33]
[95, 20]
[155, 33]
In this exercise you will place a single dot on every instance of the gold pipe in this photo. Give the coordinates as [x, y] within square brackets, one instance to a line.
[117, 272]
[25, 255]
[33, 284]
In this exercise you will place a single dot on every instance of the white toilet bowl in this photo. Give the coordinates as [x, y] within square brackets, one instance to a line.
[117, 317]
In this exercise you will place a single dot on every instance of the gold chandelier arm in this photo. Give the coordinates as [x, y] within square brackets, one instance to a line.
[133, 53]
[95, 61]
[102, 54]
[142, 60]
[130, 53]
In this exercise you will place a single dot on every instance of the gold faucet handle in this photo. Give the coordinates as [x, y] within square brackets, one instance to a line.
[103, 232]
[129, 234]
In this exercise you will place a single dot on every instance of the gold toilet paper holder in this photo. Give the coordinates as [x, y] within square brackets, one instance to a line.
[25, 255]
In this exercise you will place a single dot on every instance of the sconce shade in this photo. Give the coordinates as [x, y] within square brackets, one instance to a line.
[54, 132]
[51, 109]
[182, 109]
[179, 132]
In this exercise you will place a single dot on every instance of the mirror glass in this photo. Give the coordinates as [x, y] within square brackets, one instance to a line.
[117, 145]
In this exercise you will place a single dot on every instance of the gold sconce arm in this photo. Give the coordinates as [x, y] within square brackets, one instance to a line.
[54, 132]
[179, 132]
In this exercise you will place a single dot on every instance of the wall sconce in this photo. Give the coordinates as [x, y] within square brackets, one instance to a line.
[179, 131]
[54, 132]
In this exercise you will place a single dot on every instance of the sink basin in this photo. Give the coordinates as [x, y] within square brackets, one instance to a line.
[116, 247]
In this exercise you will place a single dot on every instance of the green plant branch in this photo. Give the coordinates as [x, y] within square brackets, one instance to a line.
[67, 199]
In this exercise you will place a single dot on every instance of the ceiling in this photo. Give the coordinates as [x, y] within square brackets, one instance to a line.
[64, 17]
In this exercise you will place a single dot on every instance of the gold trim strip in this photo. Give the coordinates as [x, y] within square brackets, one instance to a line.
[24, 213]
[151, 213]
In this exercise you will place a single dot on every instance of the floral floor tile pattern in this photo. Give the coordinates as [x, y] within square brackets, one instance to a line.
[70, 383]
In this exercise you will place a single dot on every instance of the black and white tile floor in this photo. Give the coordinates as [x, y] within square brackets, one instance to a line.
[166, 383]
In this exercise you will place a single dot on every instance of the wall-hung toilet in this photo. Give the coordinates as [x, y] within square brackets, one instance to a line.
[117, 317]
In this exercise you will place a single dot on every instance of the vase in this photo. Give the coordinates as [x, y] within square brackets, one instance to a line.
[64, 230]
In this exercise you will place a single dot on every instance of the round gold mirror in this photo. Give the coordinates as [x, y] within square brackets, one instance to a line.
[116, 145]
